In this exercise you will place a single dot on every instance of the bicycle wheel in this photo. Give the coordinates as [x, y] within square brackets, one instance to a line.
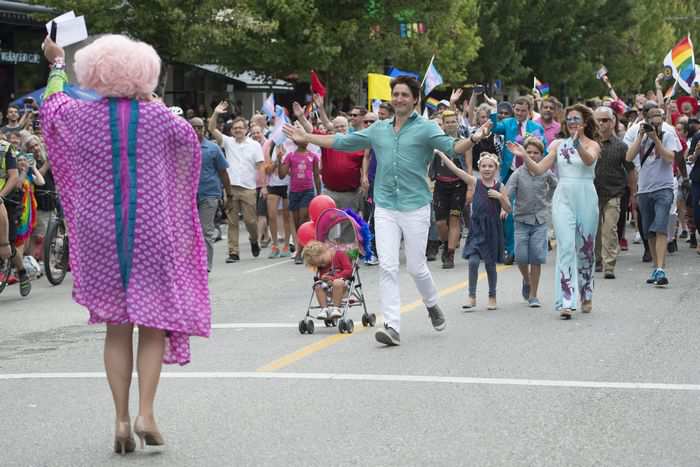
[5, 269]
[55, 251]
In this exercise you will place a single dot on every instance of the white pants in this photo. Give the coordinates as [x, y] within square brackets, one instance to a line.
[389, 225]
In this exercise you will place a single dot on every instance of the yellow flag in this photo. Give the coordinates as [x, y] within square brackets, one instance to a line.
[378, 87]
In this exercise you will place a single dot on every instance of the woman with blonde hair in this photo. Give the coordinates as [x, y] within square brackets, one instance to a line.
[128, 171]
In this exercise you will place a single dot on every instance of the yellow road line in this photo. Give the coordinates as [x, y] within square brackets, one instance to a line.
[326, 342]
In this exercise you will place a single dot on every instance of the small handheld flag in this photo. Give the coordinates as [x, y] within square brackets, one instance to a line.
[681, 61]
[316, 85]
[432, 78]
[268, 107]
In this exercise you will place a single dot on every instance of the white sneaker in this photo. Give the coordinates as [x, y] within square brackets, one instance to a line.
[334, 312]
[637, 239]
[323, 314]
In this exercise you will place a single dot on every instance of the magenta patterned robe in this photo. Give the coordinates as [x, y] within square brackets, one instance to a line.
[127, 173]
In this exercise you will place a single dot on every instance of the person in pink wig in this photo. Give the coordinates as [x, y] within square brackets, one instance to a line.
[127, 171]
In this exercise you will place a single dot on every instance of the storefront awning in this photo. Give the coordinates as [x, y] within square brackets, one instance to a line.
[250, 80]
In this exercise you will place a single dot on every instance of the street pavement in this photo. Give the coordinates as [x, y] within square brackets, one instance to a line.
[510, 387]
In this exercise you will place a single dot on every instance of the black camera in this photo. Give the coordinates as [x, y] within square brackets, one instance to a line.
[478, 89]
[647, 128]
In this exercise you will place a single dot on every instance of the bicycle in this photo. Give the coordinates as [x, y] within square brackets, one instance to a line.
[56, 245]
[6, 264]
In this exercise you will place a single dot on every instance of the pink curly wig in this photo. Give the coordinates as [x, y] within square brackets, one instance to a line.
[116, 66]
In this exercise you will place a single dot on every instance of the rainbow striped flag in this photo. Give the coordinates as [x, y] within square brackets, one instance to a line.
[543, 88]
[682, 63]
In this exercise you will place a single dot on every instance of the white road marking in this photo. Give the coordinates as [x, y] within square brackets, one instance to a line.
[378, 378]
[262, 268]
[253, 325]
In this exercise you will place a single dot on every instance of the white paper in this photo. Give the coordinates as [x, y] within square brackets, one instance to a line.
[69, 29]
[59, 19]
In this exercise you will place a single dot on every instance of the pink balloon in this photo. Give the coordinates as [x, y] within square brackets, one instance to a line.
[306, 232]
[319, 204]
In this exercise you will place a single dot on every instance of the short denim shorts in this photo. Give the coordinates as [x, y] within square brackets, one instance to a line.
[530, 243]
[300, 199]
[655, 208]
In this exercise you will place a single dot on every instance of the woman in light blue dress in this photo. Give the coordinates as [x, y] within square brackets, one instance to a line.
[574, 208]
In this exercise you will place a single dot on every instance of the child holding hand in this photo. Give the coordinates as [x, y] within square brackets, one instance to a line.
[490, 205]
[333, 268]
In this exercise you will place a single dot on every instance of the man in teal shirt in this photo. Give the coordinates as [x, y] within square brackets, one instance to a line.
[404, 148]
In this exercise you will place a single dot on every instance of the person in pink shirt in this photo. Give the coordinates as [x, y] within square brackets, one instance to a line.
[302, 166]
[550, 106]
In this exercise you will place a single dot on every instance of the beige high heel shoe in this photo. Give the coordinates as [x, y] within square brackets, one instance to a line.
[123, 441]
[587, 306]
[151, 437]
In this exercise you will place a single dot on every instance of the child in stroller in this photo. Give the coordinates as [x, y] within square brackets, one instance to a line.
[333, 269]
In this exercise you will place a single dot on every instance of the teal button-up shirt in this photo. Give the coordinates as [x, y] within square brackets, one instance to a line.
[401, 183]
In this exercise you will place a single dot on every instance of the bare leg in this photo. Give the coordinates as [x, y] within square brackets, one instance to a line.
[272, 201]
[149, 363]
[454, 231]
[338, 291]
[524, 271]
[286, 223]
[442, 229]
[658, 250]
[535, 270]
[321, 296]
[119, 364]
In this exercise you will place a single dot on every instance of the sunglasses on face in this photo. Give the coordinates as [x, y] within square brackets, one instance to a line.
[354, 115]
[369, 122]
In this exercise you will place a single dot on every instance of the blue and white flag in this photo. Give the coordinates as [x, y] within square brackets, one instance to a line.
[281, 113]
[268, 107]
[432, 78]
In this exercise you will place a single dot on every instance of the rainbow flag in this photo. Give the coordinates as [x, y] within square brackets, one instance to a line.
[682, 63]
[543, 88]
[431, 103]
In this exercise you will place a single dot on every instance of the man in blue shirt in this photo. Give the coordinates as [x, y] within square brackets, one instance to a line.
[404, 147]
[515, 129]
[212, 176]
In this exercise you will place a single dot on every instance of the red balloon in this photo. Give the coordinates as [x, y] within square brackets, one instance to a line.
[306, 232]
[319, 204]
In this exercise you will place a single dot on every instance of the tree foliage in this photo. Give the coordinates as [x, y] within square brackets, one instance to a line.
[562, 43]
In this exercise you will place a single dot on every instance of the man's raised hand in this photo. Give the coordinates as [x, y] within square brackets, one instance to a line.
[296, 134]
[221, 108]
[297, 109]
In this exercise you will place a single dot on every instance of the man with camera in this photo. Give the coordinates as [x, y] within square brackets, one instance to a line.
[652, 145]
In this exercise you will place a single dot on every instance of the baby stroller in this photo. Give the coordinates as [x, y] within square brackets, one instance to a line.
[341, 231]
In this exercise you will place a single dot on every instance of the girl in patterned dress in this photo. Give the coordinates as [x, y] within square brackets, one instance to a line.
[490, 205]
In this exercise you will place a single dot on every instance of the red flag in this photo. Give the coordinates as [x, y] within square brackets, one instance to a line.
[316, 85]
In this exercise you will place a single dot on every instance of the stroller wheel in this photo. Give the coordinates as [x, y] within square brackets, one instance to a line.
[365, 321]
[302, 327]
[372, 319]
[328, 323]
[309, 326]
[349, 326]
[341, 327]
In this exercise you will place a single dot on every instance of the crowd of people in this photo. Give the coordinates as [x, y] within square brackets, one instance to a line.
[636, 158]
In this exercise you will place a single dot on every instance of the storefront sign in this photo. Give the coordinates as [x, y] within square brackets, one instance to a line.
[8, 56]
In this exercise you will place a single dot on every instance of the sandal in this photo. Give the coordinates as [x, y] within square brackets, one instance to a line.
[565, 313]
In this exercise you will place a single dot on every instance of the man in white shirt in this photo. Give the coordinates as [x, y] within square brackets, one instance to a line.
[245, 158]
[652, 146]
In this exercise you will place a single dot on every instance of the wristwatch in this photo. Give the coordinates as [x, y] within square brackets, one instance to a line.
[58, 64]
